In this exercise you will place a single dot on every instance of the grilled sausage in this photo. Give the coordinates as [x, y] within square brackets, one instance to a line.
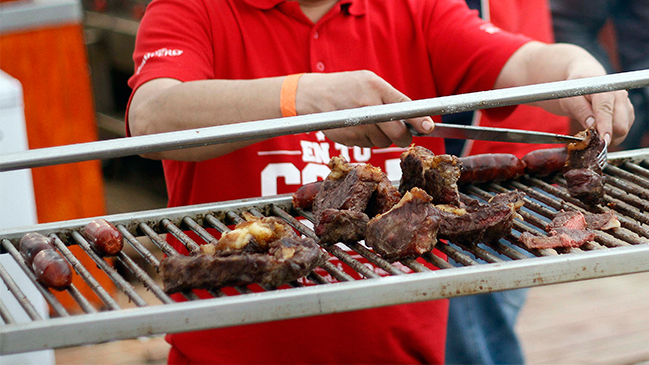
[303, 197]
[104, 237]
[490, 167]
[52, 270]
[546, 161]
[33, 243]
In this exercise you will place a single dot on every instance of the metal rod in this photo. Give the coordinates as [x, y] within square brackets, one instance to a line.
[121, 283]
[307, 123]
[85, 274]
[21, 298]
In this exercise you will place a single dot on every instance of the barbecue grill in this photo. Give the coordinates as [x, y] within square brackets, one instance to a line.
[481, 268]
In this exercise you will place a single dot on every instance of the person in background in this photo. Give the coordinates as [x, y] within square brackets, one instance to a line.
[581, 22]
[481, 328]
[205, 63]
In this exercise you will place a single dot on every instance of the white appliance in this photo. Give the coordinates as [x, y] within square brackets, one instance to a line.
[18, 208]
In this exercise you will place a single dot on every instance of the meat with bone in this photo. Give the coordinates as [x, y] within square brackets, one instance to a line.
[480, 222]
[435, 174]
[346, 197]
[582, 173]
[280, 256]
[409, 229]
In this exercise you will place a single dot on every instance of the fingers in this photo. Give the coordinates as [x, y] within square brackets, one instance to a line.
[604, 107]
[610, 113]
[579, 108]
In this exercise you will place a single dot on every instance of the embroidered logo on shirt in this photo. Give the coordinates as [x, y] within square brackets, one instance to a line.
[162, 52]
[490, 28]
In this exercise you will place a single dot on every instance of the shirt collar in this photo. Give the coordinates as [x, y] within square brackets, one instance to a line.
[356, 7]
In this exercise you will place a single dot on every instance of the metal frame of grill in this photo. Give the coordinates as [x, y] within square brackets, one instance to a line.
[484, 268]
[480, 268]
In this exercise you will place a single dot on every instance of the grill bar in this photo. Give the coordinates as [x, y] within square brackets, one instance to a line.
[20, 297]
[121, 283]
[85, 275]
[322, 121]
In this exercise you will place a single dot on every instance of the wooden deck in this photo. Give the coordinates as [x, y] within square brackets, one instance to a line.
[600, 321]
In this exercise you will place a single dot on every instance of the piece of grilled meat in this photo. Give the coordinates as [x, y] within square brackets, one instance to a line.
[409, 229]
[263, 251]
[435, 174]
[583, 175]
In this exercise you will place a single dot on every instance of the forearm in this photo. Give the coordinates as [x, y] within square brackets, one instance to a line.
[166, 105]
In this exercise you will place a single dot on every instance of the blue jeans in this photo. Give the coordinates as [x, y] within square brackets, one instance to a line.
[481, 328]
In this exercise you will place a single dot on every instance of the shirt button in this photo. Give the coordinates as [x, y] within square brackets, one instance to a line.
[316, 35]
[320, 66]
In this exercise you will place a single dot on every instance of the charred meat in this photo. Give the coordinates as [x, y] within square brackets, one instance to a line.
[437, 175]
[480, 222]
[264, 251]
[347, 196]
[582, 173]
[409, 229]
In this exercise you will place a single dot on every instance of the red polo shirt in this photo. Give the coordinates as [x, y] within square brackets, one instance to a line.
[424, 48]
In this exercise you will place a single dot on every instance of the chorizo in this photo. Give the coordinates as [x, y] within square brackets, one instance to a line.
[104, 237]
[304, 196]
[546, 161]
[490, 167]
[51, 269]
[33, 243]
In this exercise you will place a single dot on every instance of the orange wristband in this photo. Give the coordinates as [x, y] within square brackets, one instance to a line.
[287, 95]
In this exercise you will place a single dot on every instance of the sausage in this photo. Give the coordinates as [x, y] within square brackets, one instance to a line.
[33, 243]
[52, 270]
[104, 237]
[304, 196]
[546, 161]
[490, 167]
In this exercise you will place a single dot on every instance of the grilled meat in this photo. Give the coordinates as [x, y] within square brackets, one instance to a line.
[409, 229]
[583, 175]
[437, 175]
[479, 222]
[570, 229]
[341, 226]
[346, 197]
[264, 251]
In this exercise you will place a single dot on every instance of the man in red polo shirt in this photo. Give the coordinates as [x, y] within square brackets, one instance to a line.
[202, 63]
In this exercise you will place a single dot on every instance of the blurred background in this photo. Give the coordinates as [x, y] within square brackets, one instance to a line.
[65, 66]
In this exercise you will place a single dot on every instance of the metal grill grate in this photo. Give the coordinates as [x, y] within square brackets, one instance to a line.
[481, 268]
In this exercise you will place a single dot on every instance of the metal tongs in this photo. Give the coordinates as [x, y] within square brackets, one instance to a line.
[457, 131]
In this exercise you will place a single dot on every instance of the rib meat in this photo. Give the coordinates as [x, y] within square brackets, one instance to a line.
[409, 229]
